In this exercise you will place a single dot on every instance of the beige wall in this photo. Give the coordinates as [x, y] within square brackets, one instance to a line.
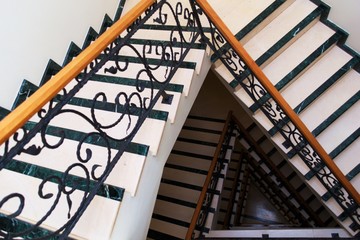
[34, 31]
[215, 100]
[345, 13]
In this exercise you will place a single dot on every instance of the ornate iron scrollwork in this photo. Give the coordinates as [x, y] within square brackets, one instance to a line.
[84, 173]
[293, 137]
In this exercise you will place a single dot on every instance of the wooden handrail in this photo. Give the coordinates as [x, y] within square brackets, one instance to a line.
[17, 118]
[208, 179]
[261, 77]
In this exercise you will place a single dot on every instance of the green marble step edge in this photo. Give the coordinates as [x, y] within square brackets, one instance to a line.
[251, 25]
[135, 148]
[17, 225]
[320, 90]
[27, 89]
[261, 172]
[285, 39]
[106, 190]
[291, 76]
[329, 120]
[334, 153]
[353, 173]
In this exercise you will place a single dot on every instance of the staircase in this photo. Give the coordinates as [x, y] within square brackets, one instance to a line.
[184, 176]
[72, 144]
[320, 80]
[301, 52]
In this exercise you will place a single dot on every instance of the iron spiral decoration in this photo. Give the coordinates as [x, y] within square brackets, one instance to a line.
[85, 173]
[293, 137]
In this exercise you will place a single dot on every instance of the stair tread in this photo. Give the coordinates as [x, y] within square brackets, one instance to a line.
[280, 26]
[343, 127]
[126, 173]
[100, 207]
[308, 42]
[168, 228]
[181, 193]
[237, 14]
[343, 90]
[321, 71]
[179, 212]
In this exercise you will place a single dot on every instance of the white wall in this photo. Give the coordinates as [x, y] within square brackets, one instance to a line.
[345, 13]
[34, 31]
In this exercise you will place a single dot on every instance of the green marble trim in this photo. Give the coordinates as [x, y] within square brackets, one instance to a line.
[16, 225]
[234, 83]
[76, 182]
[3, 113]
[119, 10]
[335, 115]
[51, 69]
[298, 69]
[135, 148]
[320, 90]
[112, 107]
[252, 25]
[201, 46]
[150, 61]
[72, 52]
[290, 35]
[172, 87]
[90, 37]
[334, 153]
[341, 110]
[353, 173]
[107, 22]
[27, 88]
[324, 6]
[172, 28]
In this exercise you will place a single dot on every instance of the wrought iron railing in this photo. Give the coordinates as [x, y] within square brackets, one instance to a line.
[52, 100]
[203, 207]
[297, 136]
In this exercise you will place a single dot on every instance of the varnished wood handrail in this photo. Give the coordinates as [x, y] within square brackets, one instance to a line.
[17, 118]
[261, 77]
[202, 196]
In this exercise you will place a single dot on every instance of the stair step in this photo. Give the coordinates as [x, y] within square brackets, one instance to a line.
[188, 161]
[169, 189]
[167, 227]
[184, 177]
[191, 147]
[237, 14]
[179, 212]
[126, 173]
[327, 71]
[100, 208]
[312, 43]
[288, 22]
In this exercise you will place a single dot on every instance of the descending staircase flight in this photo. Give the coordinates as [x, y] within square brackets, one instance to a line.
[299, 50]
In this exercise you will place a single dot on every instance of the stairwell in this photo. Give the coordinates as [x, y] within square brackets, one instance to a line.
[274, 32]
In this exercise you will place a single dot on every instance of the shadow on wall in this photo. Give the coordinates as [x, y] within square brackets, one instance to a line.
[214, 100]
